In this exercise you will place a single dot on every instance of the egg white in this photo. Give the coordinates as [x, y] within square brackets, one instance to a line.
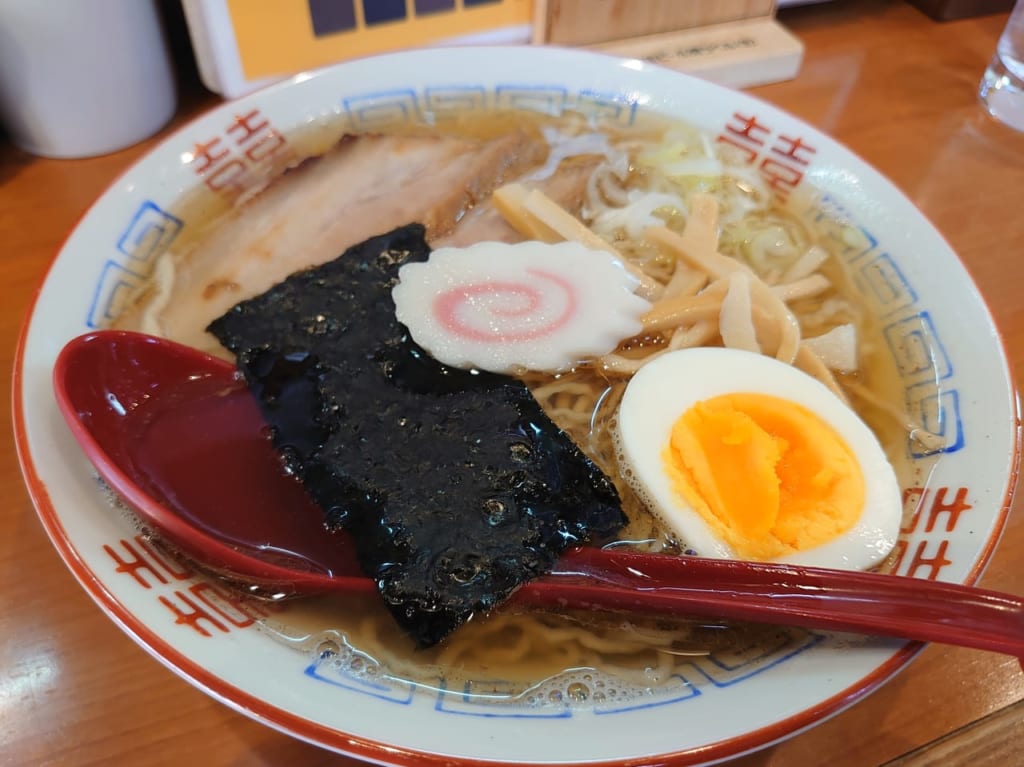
[665, 388]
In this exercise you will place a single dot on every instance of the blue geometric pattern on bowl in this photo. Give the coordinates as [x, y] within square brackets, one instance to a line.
[147, 235]
[496, 698]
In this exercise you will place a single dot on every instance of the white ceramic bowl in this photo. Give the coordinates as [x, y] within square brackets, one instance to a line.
[946, 348]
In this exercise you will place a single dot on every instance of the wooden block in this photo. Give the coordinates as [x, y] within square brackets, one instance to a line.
[738, 54]
[588, 22]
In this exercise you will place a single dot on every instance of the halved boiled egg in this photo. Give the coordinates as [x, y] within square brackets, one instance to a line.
[745, 457]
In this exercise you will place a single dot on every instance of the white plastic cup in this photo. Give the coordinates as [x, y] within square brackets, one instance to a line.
[1002, 86]
[80, 78]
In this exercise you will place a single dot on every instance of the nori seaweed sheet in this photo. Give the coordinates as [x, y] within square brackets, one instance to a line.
[455, 485]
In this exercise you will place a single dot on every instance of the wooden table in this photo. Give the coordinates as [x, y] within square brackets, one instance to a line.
[897, 88]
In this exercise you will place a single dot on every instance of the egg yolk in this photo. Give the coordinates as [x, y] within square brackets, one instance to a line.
[767, 475]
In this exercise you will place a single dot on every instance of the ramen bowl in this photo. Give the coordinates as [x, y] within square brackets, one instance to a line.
[931, 320]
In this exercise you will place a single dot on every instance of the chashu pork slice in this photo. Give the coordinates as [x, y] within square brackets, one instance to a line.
[566, 187]
[367, 184]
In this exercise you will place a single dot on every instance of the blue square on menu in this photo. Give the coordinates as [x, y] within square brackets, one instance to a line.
[434, 6]
[330, 16]
[383, 11]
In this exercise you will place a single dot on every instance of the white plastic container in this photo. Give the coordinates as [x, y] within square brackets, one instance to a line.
[83, 78]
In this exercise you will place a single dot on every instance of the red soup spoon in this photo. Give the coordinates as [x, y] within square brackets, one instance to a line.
[132, 401]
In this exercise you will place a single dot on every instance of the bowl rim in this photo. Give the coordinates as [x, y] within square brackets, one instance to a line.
[370, 749]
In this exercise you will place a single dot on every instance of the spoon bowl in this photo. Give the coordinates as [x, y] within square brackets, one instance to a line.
[176, 434]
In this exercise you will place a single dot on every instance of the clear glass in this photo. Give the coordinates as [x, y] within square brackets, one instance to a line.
[1002, 87]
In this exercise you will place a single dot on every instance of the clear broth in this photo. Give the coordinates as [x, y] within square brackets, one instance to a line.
[545, 659]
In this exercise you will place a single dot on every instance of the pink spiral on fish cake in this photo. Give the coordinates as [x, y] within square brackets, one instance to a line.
[448, 304]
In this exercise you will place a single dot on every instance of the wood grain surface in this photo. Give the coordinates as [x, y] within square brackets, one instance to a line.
[892, 84]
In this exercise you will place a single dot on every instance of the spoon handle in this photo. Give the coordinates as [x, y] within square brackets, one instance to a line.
[867, 603]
